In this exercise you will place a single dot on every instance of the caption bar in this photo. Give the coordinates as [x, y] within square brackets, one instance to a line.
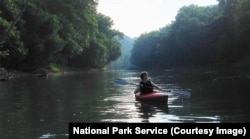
[161, 129]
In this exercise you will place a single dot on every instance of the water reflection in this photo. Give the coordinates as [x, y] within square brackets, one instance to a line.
[148, 110]
[53, 136]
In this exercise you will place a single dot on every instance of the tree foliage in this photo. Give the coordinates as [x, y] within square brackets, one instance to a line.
[202, 37]
[58, 32]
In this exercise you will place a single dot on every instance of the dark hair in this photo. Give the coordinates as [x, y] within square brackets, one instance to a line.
[143, 73]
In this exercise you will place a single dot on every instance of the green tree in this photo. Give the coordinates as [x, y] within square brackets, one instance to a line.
[104, 46]
[12, 50]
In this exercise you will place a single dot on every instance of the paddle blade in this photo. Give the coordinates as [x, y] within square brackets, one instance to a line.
[120, 82]
[184, 94]
[181, 93]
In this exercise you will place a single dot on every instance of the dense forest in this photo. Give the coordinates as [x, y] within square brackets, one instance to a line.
[40, 34]
[215, 36]
[71, 33]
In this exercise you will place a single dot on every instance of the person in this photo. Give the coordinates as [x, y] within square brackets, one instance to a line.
[146, 85]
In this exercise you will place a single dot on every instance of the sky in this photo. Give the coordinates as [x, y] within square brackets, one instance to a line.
[135, 17]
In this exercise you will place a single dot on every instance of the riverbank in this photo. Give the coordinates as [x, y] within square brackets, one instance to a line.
[8, 74]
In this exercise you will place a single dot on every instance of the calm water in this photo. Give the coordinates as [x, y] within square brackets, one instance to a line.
[33, 107]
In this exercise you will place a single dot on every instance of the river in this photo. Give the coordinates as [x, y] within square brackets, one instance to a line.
[32, 107]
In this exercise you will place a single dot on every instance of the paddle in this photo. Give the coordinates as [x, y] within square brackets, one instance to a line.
[184, 94]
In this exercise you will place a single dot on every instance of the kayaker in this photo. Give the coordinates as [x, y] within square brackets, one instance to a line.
[146, 85]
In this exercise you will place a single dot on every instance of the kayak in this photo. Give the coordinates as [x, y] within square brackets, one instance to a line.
[154, 96]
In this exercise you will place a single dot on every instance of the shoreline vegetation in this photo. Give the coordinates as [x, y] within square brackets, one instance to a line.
[8, 74]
